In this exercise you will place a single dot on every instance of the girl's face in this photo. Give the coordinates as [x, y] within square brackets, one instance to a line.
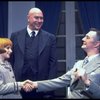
[6, 55]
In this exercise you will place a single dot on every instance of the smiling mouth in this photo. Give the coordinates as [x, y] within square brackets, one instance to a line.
[84, 43]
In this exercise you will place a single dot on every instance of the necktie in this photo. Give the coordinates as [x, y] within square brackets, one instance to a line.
[85, 61]
[33, 34]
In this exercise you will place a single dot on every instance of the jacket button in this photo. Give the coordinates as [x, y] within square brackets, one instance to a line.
[10, 70]
[13, 77]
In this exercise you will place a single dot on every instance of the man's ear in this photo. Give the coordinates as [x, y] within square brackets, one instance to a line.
[97, 44]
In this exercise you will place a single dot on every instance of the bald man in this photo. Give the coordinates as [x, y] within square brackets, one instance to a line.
[34, 53]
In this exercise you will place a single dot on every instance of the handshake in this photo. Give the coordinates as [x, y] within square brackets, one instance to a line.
[28, 85]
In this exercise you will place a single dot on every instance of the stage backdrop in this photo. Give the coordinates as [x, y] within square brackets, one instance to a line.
[13, 15]
[90, 14]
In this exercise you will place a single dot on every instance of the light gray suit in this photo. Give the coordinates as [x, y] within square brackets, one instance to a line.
[9, 88]
[77, 88]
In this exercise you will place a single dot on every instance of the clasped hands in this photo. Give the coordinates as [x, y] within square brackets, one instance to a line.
[28, 85]
[81, 74]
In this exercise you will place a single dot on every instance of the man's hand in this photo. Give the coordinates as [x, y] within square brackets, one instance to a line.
[81, 74]
[29, 85]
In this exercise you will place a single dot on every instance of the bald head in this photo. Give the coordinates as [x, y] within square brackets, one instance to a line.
[35, 18]
[34, 10]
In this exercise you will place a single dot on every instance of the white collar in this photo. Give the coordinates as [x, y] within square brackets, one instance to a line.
[91, 57]
[30, 31]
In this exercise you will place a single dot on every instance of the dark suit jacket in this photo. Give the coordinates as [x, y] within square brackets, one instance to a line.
[47, 54]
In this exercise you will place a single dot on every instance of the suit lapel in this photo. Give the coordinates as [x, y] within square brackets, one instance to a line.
[94, 64]
[89, 67]
[21, 40]
[42, 41]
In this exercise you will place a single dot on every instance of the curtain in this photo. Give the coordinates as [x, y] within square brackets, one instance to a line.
[90, 14]
[3, 19]
[51, 11]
